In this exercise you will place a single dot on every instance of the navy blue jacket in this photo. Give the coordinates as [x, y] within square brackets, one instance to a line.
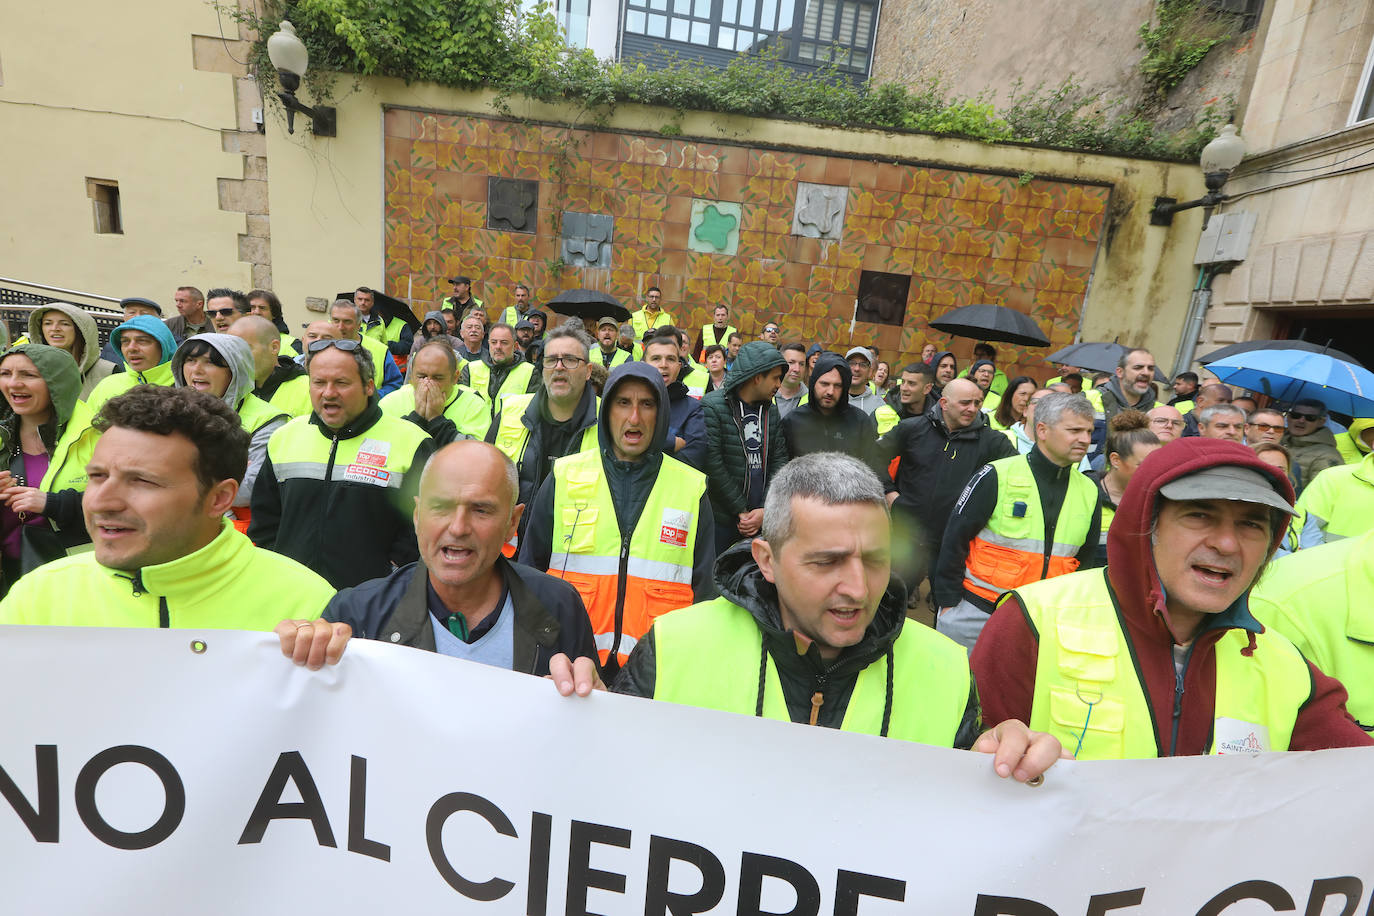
[549, 614]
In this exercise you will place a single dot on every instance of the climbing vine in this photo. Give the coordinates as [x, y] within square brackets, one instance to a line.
[1178, 38]
[520, 54]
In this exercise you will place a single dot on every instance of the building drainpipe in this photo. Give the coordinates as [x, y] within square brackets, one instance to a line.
[1197, 313]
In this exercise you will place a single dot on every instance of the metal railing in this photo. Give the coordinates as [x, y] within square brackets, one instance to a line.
[17, 304]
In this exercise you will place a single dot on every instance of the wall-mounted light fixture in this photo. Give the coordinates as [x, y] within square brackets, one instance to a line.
[290, 57]
[1219, 158]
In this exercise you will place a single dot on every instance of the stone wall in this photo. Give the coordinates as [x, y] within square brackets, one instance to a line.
[777, 235]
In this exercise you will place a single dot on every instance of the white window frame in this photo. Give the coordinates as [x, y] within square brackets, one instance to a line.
[1363, 90]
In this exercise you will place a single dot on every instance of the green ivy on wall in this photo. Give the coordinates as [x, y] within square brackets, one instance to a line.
[1178, 38]
[494, 44]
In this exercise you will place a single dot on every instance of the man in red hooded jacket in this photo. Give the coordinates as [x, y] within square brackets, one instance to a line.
[1158, 654]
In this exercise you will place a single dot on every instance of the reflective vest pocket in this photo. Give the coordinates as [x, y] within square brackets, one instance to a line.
[580, 523]
[1005, 566]
[1087, 654]
[591, 589]
[661, 597]
[1099, 721]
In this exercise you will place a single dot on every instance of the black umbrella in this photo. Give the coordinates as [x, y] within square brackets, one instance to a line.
[388, 308]
[992, 322]
[1095, 357]
[1251, 346]
[588, 303]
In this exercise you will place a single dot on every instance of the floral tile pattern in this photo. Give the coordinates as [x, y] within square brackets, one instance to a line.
[962, 236]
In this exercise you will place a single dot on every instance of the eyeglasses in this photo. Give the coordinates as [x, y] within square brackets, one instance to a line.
[562, 362]
[1299, 415]
[348, 346]
[1266, 427]
[770, 330]
[221, 313]
[1166, 421]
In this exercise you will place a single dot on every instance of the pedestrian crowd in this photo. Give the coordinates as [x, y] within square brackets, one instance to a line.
[762, 527]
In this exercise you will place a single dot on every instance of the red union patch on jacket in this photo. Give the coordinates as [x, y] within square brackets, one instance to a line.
[674, 527]
[362, 473]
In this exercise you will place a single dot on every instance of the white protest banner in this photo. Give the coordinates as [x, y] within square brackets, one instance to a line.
[200, 772]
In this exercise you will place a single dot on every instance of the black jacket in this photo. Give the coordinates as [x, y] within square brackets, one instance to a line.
[727, 465]
[976, 505]
[936, 464]
[685, 420]
[549, 616]
[801, 674]
[845, 429]
[346, 532]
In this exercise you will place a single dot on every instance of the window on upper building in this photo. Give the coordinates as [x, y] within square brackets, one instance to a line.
[104, 195]
[1363, 107]
[811, 33]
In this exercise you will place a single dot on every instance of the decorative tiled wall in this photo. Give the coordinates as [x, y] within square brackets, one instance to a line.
[777, 235]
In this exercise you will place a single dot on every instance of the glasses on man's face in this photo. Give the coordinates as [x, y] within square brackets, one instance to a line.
[1167, 421]
[221, 313]
[1303, 415]
[562, 362]
[1267, 427]
[770, 330]
[325, 343]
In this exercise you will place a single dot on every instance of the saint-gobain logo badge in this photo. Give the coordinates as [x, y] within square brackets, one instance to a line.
[1236, 737]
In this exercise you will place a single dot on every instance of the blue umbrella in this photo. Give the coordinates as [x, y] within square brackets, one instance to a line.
[1291, 375]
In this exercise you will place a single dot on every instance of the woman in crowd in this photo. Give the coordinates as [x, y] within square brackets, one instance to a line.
[222, 365]
[1129, 442]
[1012, 408]
[714, 361]
[71, 328]
[47, 441]
[881, 375]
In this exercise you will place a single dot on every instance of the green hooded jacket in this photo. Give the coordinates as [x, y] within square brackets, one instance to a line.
[93, 368]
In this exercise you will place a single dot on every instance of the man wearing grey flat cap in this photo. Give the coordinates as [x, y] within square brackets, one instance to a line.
[1158, 655]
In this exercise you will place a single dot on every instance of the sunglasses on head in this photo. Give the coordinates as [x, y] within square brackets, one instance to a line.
[348, 346]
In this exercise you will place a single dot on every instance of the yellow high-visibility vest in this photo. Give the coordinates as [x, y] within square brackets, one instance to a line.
[709, 654]
[1011, 550]
[1088, 694]
[625, 583]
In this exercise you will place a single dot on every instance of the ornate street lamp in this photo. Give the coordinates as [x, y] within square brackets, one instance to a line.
[290, 57]
[1219, 159]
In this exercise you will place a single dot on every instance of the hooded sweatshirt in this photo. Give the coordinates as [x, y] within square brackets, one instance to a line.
[120, 382]
[1004, 660]
[630, 483]
[845, 429]
[60, 374]
[420, 338]
[802, 672]
[93, 369]
[1115, 400]
[1349, 443]
[938, 388]
[738, 433]
[264, 419]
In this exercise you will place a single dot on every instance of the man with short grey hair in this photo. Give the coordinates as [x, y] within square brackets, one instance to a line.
[1222, 421]
[811, 629]
[1019, 520]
